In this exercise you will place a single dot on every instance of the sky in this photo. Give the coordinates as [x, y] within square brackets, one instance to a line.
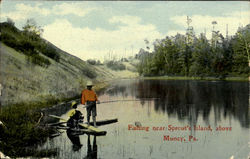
[96, 30]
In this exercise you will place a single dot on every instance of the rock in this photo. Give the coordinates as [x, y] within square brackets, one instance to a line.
[138, 124]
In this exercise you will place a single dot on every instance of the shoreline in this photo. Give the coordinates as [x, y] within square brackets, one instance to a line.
[33, 111]
[239, 79]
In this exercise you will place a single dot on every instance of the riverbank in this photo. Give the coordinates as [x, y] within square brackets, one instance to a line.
[26, 125]
[240, 79]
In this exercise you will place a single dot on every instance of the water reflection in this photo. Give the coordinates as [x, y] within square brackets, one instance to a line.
[75, 139]
[163, 103]
[76, 144]
[92, 151]
[190, 99]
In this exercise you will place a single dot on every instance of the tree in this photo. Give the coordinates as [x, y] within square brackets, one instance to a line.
[243, 37]
[165, 57]
[147, 44]
[32, 30]
[241, 45]
[10, 21]
[218, 56]
[227, 52]
[188, 55]
[184, 54]
[201, 57]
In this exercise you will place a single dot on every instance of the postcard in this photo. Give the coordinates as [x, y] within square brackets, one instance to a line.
[124, 79]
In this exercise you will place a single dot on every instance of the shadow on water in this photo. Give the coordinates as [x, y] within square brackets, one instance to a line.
[75, 141]
[76, 145]
[189, 99]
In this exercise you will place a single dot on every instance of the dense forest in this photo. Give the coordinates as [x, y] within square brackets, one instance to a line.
[189, 55]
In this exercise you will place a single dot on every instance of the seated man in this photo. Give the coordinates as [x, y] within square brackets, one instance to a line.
[75, 116]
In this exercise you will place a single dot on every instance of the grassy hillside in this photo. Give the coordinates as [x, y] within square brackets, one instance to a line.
[27, 78]
[36, 74]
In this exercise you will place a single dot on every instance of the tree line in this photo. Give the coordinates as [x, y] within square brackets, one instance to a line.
[179, 56]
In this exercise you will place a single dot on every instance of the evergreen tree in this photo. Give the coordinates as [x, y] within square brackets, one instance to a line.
[241, 44]
[201, 57]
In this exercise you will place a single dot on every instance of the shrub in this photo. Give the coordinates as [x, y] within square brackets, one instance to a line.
[89, 72]
[39, 60]
[92, 62]
[49, 51]
[26, 46]
[115, 65]
[124, 60]
[22, 134]
[9, 40]
[25, 42]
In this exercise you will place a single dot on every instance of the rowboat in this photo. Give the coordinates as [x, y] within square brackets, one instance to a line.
[89, 128]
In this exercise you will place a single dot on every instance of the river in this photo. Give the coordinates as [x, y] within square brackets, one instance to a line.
[179, 120]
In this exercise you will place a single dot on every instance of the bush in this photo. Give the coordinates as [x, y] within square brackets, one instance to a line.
[22, 134]
[9, 40]
[92, 62]
[24, 42]
[49, 51]
[89, 72]
[39, 60]
[124, 60]
[26, 47]
[115, 65]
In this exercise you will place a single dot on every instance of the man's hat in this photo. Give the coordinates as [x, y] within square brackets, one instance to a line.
[89, 83]
[73, 104]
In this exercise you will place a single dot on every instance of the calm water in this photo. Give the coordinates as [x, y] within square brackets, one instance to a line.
[165, 103]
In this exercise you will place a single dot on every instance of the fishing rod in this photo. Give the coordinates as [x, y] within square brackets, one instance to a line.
[126, 100]
[122, 100]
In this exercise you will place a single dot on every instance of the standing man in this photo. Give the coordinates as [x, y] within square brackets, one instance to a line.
[89, 97]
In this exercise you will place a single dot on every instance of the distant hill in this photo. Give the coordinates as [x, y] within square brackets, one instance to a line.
[32, 70]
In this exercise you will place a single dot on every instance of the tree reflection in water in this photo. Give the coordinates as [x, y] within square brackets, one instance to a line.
[189, 99]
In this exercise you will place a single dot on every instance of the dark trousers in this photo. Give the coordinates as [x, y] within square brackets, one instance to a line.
[91, 110]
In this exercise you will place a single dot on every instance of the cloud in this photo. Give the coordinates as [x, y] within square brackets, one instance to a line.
[239, 14]
[29, 9]
[16, 16]
[26, 11]
[71, 8]
[23, 11]
[96, 43]
[201, 23]
[129, 20]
